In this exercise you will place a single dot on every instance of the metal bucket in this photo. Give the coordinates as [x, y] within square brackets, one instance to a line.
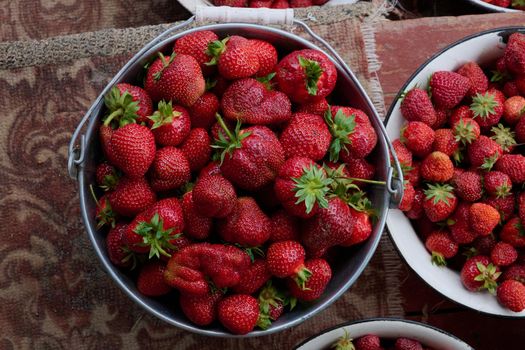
[491, 8]
[84, 147]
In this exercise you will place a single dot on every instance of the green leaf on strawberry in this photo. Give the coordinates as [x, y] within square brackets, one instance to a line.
[155, 236]
[483, 105]
[312, 71]
[439, 193]
[165, 64]
[312, 187]
[215, 49]
[488, 275]
[341, 127]
[121, 107]
[231, 141]
[164, 114]
[464, 132]
[503, 136]
[489, 162]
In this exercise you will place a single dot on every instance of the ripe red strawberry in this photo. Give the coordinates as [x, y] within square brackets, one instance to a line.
[352, 137]
[106, 176]
[202, 112]
[417, 107]
[441, 246]
[280, 4]
[403, 154]
[260, 3]
[469, 186]
[235, 57]
[513, 233]
[247, 225]
[521, 206]
[408, 197]
[515, 272]
[316, 284]
[440, 202]
[197, 225]
[238, 313]
[153, 229]
[484, 152]
[497, 184]
[105, 132]
[460, 112]
[503, 254]
[318, 107]
[306, 75]
[368, 342]
[445, 142]
[359, 168]
[515, 53]
[416, 211]
[177, 78]
[284, 227]
[200, 309]
[478, 80]
[170, 124]
[362, 228]
[196, 148]
[484, 244]
[519, 129]
[437, 167]
[511, 294]
[170, 169]
[286, 259]
[127, 104]
[483, 218]
[214, 196]
[510, 89]
[131, 196]
[195, 44]
[118, 252]
[513, 109]
[150, 281]
[459, 225]
[418, 137]
[466, 130]
[133, 149]
[514, 166]
[407, 344]
[250, 157]
[478, 273]
[253, 278]
[448, 88]
[504, 205]
[488, 107]
[249, 101]
[331, 226]
[441, 118]
[306, 135]
[267, 55]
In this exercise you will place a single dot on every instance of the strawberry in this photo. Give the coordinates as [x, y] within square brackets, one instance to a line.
[519, 129]
[503, 254]
[514, 272]
[460, 112]
[468, 186]
[408, 197]
[247, 225]
[131, 196]
[177, 78]
[441, 246]
[407, 344]
[511, 294]
[513, 109]
[150, 281]
[105, 132]
[352, 132]
[267, 55]
[170, 169]
[280, 4]
[439, 202]
[359, 168]
[417, 107]
[459, 225]
[484, 152]
[197, 226]
[250, 157]
[316, 284]
[306, 135]
[513, 233]
[521, 206]
[445, 142]
[478, 80]
[238, 313]
[200, 309]
[118, 253]
[448, 88]
[497, 184]
[234, 56]
[418, 138]
[127, 104]
[306, 75]
[319, 107]
[218, 85]
[104, 214]
[106, 176]
[195, 44]
[483, 245]
[260, 3]
[331, 226]
[170, 124]
[367, 342]
[196, 148]
[478, 273]
[514, 166]
[301, 3]
[466, 130]
[271, 305]
[488, 107]
[510, 89]
[437, 167]
[361, 230]
[441, 118]
[153, 229]
[283, 227]
[504, 205]
[483, 218]
[214, 196]
[202, 112]
[286, 259]
[133, 149]
[416, 211]
[514, 54]
[403, 154]
[253, 278]
[249, 101]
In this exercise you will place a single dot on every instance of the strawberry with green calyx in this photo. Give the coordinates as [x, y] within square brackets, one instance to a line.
[196, 44]
[286, 259]
[107, 176]
[201, 309]
[437, 167]
[155, 236]
[234, 56]
[503, 254]
[445, 142]
[267, 55]
[316, 284]
[202, 112]
[197, 149]
[404, 155]
[441, 246]
[362, 226]
[131, 196]
[466, 130]
[504, 205]
[440, 202]
[104, 214]
[363, 138]
[121, 107]
[511, 294]
[478, 273]
[497, 184]
[346, 343]
[484, 152]
[514, 54]
[488, 107]
[418, 138]
[270, 299]
[170, 124]
[505, 137]
[150, 281]
[341, 127]
[468, 186]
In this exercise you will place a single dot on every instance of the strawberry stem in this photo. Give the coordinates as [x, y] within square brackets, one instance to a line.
[302, 276]
[224, 126]
[375, 182]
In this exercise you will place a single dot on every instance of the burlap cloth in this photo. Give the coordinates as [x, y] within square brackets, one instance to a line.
[53, 291]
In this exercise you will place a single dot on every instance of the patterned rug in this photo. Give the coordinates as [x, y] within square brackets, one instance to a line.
[53, 291]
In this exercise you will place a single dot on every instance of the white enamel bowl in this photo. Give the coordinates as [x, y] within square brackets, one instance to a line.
[490, 7]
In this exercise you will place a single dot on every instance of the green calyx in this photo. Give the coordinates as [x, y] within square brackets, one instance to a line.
[488, 275]
[231, 141]
[312, 187]
[210, 84]
[130, 256]
[340, 185]
[521, 230]
[439, 193]
[341, 127]
[489, 162]
[301, 277]
[458, 156]
[470, 252]
[164, 114]
[344, 342]
[121, 107]
[518, 3]
[312, 71]
[503, 191]
[483, 105]
[215, 49]
[464, 132]
[498, 76]
[269, 297]
[267, 80]
[505, 137]
[155, 236]
[438, 259]
[165, 64]
[105, 214]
